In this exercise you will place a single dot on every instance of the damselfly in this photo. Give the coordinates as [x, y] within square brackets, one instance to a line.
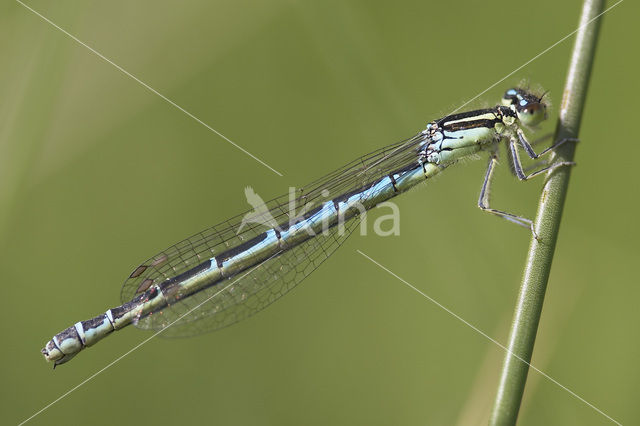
[236, 268]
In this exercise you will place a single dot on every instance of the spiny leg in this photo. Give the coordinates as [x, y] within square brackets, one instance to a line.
[529, 149]
[517, 164]
[537, 164]
[483, 201]
[514, 159]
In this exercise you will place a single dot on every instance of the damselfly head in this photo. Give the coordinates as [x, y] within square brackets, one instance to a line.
[531, 109]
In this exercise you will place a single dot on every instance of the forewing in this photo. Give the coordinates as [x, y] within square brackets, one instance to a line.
[246, 293]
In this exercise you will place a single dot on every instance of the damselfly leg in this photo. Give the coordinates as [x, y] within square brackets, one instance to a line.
[483, 201]
[517, 164]
[514, 159]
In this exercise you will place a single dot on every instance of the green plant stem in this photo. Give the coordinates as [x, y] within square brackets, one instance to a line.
[547, 223]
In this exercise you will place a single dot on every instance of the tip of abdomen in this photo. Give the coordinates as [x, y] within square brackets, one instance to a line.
[63, 346]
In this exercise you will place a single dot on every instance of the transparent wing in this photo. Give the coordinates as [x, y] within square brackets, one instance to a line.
[243, 295]
[274, 277]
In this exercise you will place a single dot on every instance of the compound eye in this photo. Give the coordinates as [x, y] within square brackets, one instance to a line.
[531, 109]
[532, 114]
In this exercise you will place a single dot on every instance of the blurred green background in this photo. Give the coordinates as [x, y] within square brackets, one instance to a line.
[97, 174]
